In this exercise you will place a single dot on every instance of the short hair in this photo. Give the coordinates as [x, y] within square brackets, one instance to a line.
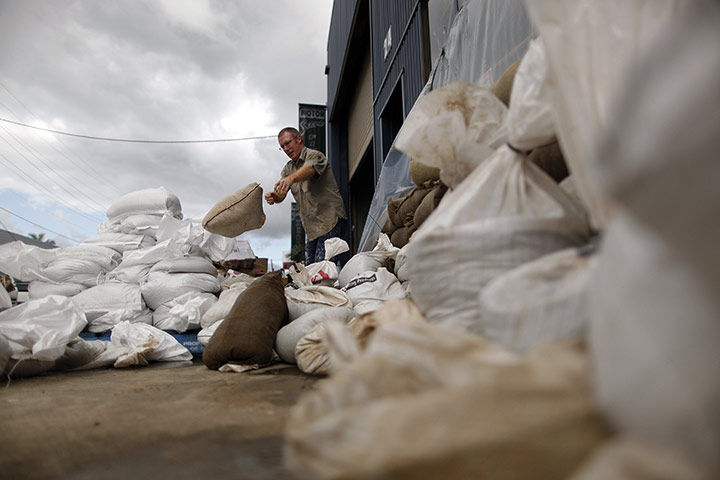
[291, 130]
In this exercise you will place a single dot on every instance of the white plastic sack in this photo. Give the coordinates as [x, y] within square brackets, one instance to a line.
[120, 241]
[107, 258]
[460, 117]
[73, 270]
[590, 49]
[24, 262]
[109, 296]
[162, 287]
[109, 319]
[654, 336]
[185, 265]
[164, 348]
[39, 289]
[402, 271]
[222, 307]
[304, 299]
[5, 300]
[382, 253]
[40, 329]
[289, 335]
[506, 213]
[184, 312]
[206, 333]
[136, 264]
[326, 272]
[191, 232]
[141, 224]
[150, 201]
[540, 301]
[369, 290]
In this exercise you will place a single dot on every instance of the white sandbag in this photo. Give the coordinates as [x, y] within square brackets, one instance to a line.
[161, 287]
[369, 290]
[108, 320]
[120, 241]
[221, 308]
[39, 289]
[424, 401]
[185, 265]
[5, 300]
[74, 270]
[107, 297]
[142, 224]
[5, 353]
[136, 264]
[458, 117]
[206, 333]
[314, 350]
[540, 301]
[190, 232]
[653, 336]
[589, 63]
[288, 336]
[184, 312]
[150, 201]
[106, 258]
[304, 299]
[24, 262]
[506, 213]
[402, 271]
[164, 347]
[40, 329]
[629, 459]
[326, 272]
[81, 354]
[383, 253]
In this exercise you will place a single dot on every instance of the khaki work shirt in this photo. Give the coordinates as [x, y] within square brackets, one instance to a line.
[318, 199]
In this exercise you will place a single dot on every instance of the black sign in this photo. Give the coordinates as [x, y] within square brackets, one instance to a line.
[312, 126]
[297, 230]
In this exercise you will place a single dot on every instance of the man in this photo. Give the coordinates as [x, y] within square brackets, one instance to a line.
[309, 177]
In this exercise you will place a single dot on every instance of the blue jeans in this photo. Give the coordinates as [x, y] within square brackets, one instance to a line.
[315, 249]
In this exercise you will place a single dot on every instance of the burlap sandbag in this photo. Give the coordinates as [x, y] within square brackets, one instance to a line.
[503, 86]
[237, 213]
[401, 236]
[550, 159]
[428, 204]
[401, 210]
[421, 173]
[247, 334]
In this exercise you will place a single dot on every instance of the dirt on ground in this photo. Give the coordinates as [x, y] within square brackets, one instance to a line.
[171, 421]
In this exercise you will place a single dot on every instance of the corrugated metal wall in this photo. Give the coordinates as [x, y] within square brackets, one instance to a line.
[338, 38]
[408, 58]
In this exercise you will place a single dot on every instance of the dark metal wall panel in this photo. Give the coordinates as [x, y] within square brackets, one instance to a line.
[341, 24]
[406, 65]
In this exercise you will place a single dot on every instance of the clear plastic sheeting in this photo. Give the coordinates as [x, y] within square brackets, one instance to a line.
[483, 40]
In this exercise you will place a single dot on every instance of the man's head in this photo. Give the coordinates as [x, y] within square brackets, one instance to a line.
[291, 142]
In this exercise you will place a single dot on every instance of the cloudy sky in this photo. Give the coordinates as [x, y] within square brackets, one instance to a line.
[150, 70]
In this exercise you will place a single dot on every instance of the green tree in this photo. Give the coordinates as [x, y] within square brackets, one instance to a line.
[41, 238]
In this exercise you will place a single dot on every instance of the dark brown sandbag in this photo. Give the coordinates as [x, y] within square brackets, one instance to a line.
[421, 173]
[503, 87]
[550, 158]
[400, 237]
[406, 206]
[247, 334]
[428, 204]
[389, 226]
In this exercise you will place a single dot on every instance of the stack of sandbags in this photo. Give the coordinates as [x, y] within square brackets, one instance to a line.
[382, 255]
[74, 269]
[407, 213]
[506, 213]
[140, 212]
[427, 401]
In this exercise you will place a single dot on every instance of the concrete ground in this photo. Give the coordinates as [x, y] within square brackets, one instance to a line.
[165, 420]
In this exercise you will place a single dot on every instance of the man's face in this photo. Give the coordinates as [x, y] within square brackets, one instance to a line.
[291, 145]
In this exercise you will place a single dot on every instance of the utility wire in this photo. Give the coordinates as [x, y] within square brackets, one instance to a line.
[53, 170]
[38, 186]
[89, 166]
[48, 176]
[129, 140]
[39, 226]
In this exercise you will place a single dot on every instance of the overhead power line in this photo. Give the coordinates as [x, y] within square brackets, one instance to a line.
[130, 140]
[39, 226]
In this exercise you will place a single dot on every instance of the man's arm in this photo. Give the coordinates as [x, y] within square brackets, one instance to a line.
[282, 187]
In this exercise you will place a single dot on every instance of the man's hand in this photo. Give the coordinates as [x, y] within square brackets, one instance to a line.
[283, 185]
[272, 198]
